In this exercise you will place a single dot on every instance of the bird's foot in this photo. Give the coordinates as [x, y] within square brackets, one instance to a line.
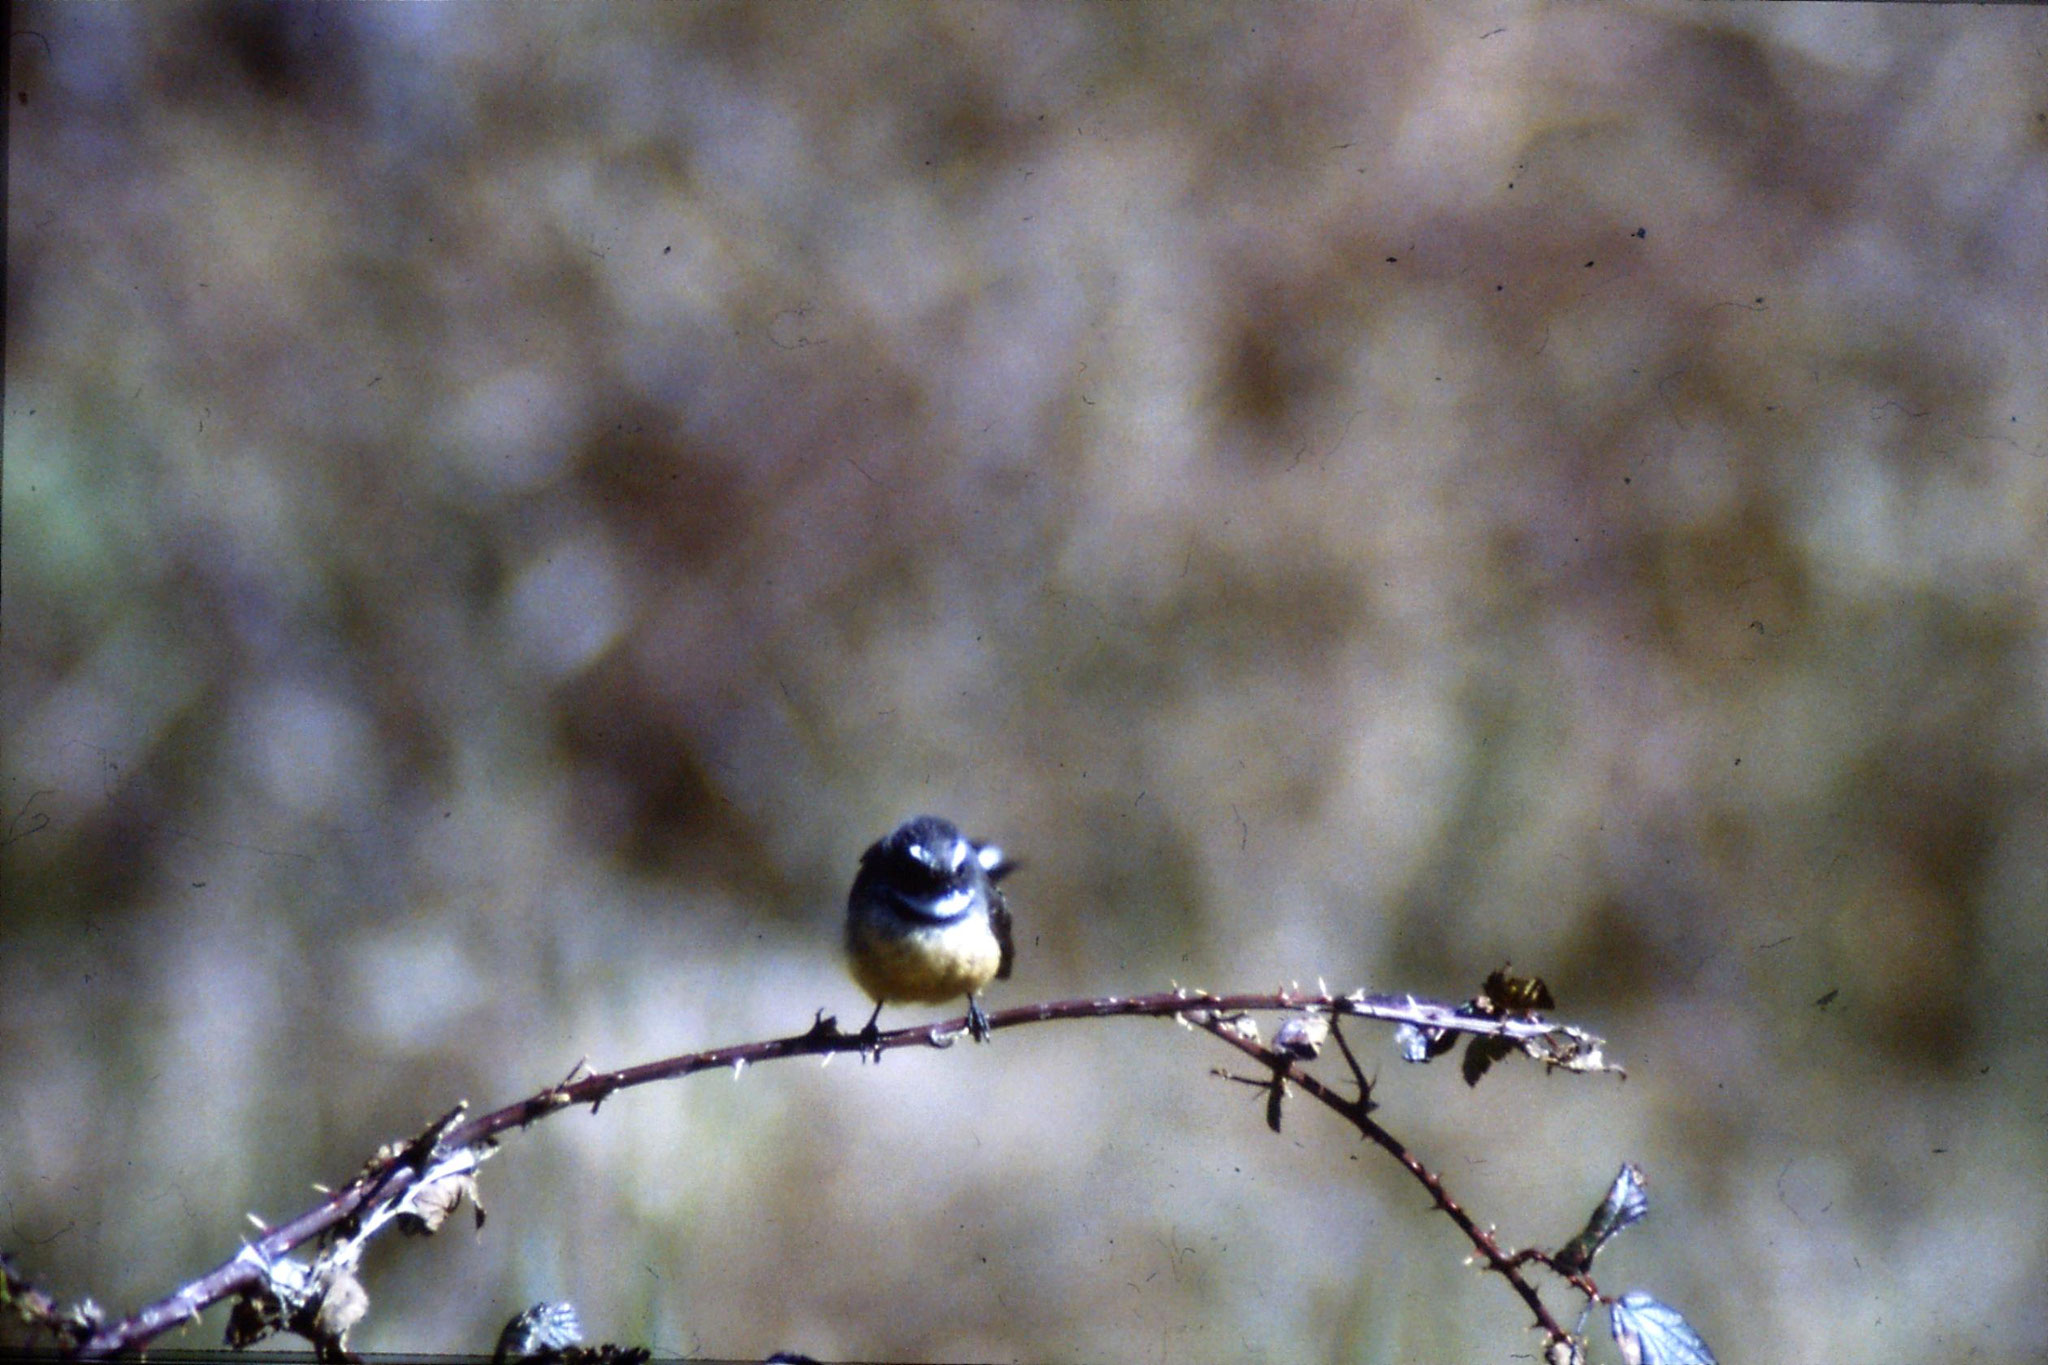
[871, 1038]
[977, 1020]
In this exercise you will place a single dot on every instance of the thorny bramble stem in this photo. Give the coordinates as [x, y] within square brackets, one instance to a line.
[390, 1178]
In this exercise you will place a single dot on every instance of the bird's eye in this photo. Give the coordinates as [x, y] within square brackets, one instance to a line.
[916, 872]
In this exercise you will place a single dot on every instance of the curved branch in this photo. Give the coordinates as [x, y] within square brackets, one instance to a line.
[388, 1178]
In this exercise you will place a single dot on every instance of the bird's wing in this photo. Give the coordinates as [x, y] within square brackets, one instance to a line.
[999, 920]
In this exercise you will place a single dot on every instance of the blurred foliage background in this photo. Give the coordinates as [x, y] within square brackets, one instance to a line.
[501, 507]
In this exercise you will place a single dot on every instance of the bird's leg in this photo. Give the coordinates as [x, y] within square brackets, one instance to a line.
[871, 1037]
[977, 1021]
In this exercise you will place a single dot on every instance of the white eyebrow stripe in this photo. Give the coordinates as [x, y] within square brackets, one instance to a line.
[989, 856]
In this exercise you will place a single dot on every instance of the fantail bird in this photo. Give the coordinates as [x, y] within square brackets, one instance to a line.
[925, 922]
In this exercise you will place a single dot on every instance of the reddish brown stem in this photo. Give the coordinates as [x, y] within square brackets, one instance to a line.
[248, 1270]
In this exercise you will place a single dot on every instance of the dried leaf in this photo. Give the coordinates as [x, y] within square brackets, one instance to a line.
[1482, 1054]
[1565, 1048]
[1626, 1202]
[542, 1329]
[1507, 994]
[430, 1204]
[256, 1314]
[1302, 1037]
[342, 1305]
[1242, 1027]
[1419, 1044]
[1652, 1333]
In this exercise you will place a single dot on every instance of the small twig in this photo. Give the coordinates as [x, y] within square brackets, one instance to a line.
[1351, 1060]
[1357, 1112]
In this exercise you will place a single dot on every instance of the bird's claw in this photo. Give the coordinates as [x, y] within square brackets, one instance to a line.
[871, 1037]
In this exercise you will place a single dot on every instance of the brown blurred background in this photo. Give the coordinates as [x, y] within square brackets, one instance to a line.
[502, 505]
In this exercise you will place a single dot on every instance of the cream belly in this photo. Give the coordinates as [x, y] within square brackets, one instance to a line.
[926, 965]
